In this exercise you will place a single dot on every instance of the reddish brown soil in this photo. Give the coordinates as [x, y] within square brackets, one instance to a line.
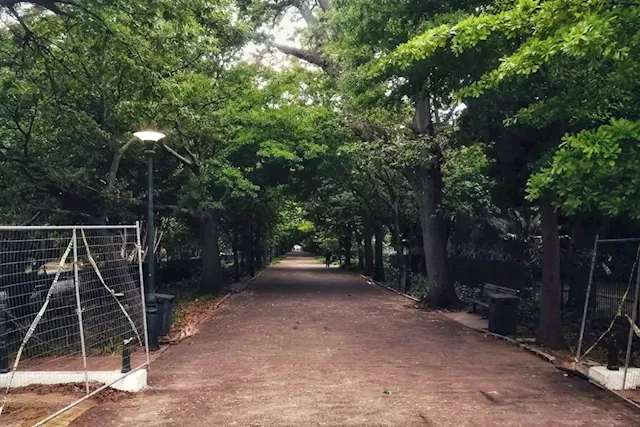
[28, 405]
[310, 346]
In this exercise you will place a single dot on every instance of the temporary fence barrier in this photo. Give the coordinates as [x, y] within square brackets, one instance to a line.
[610, 315]
[71, 309]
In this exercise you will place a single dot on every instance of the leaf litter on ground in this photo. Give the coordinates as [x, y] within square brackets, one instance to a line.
[190, 315]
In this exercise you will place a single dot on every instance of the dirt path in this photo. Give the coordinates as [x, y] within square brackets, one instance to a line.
[310, 346]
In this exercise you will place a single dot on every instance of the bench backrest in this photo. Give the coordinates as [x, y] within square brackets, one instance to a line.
[489, 288]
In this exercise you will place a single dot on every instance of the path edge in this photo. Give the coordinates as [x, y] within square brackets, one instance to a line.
[395, 291]
[374, 282]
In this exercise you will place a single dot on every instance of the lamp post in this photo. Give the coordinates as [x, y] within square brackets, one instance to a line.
[150, 138]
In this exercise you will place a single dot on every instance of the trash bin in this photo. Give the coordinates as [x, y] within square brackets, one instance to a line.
[165, 312]
[503, 314]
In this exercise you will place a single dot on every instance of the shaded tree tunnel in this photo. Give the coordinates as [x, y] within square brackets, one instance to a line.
[401, 149]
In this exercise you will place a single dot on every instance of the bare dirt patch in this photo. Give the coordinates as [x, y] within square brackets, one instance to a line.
[28, 405]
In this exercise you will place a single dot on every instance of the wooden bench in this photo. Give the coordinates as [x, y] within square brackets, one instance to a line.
[486, 290]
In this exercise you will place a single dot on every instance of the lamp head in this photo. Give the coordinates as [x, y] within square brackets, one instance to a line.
[149, 136]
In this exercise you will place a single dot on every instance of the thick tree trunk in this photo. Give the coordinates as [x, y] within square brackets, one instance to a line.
[379, 262]
[368, 249]
[236, 262]
[212, 275]
[400, 263]
[347, 246]
[550, 327]
[427, 185]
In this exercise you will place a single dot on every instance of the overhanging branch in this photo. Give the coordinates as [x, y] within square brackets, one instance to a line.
[311, 57]
[188, 160]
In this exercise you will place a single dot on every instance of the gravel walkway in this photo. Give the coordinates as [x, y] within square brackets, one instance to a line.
[309, 346]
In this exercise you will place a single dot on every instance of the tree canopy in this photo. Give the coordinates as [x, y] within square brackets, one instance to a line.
[390, 127]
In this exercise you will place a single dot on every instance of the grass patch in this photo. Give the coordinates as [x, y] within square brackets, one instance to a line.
[276, 260]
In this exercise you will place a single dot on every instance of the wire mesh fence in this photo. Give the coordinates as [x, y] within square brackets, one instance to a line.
[71, 307]
[610, 314]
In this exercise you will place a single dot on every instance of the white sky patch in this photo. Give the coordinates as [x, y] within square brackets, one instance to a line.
[287, 32]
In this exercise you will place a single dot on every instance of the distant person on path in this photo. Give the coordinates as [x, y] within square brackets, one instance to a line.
[327, 258]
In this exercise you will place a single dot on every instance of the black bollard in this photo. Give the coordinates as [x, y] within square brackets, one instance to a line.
[4, 341]
[613, 362]
[126, 356]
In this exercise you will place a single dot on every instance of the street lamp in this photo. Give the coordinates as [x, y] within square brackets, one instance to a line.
[150, 138]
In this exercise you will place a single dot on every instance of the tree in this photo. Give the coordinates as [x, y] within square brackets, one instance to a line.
[572, 51]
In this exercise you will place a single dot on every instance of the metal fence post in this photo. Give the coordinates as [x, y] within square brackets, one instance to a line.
[144, 312]
[634, 317]
[79, 309]
[586, 299]
[4, 341]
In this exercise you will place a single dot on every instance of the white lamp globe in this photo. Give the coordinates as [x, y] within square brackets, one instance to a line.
[149, 135]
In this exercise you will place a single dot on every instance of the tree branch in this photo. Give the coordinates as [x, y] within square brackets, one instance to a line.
[325, 5]
[33, 218]
[314, 58]
[190, 162]
[305, 11]
[366, 130]
[115, 163]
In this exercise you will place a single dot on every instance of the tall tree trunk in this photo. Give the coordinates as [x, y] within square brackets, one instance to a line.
[212, 275]
[427, 185]
[550, 327]
[379, 262]
[234, 248]
[347, 246]
[400, 263]
[368, 249]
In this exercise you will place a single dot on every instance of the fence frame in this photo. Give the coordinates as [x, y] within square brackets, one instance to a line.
[74, 243]
[636, 301]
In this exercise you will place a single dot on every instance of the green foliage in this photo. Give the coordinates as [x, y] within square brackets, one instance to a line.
[595, 170]
[467, 186]
[579, 62]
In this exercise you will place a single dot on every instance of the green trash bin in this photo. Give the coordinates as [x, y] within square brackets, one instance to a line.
[165, 313]
[503, 314]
